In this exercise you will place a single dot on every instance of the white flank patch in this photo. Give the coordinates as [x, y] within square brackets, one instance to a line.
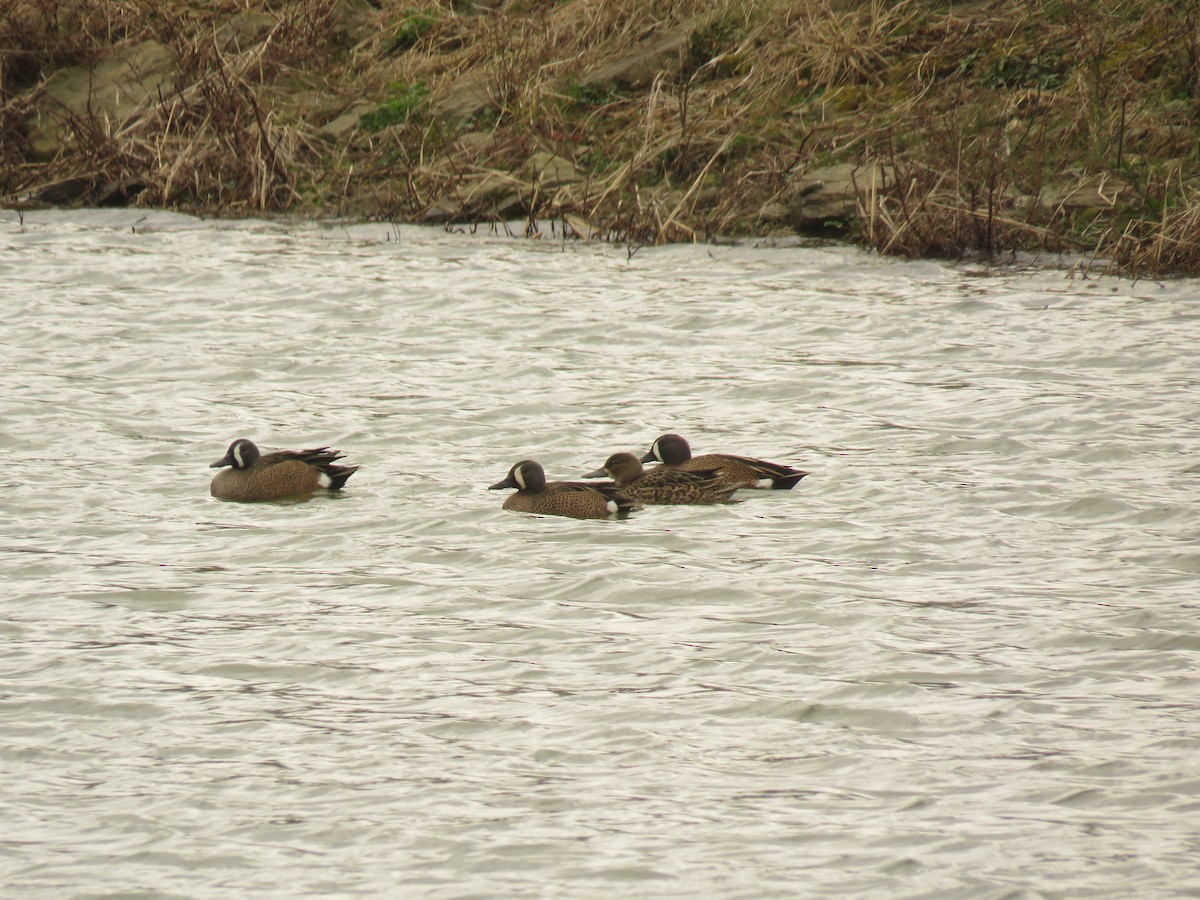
[613, 507]
[764, 483]
[324, 480]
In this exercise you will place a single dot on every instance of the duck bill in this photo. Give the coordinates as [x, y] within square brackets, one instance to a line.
[226, 460]
[506, 483]
[649, 457]
[599, 473]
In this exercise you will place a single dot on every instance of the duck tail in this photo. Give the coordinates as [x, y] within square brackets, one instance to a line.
[338, 475]
[787, 482]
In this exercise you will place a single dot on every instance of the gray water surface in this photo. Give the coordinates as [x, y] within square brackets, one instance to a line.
[961, 659]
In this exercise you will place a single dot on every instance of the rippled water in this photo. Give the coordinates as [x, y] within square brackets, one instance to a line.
[961, 659]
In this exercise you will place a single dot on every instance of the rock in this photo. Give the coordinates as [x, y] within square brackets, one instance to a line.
[441, 211]
[549, 171]
[108, 94]
[580, 227]
[639, 68]
[118, 193]
[244, 31]
[346, 122]
[827, 199]
[1094, 193]
[475, 144]
[83, 190]
[493, 196]
[497, 195]
[463, 99]
[491, 192]
[350, 22]
[774, 213]
[355, 21]
[65, 192]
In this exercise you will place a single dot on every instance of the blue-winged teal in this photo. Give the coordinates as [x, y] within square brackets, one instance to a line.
[673, 452]
[273, 476]
[664, 484]
[560, 498]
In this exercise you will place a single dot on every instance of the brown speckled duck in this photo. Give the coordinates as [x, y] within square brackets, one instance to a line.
[253, 475]
[663, 484]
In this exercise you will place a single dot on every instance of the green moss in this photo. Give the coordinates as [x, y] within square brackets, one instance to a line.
[590, 95]
[406, 101]
[709, 41]
[413, 26]
[484, 120]
[849, 98]
[715, 39]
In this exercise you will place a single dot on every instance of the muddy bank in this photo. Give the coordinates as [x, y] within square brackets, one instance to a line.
[921, 129]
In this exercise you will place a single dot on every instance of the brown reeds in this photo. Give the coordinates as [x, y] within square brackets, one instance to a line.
[207, 140]
[953, 190]
[1168, 246]
[976, 128]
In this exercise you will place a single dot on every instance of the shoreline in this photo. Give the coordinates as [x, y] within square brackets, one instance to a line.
[953, 131]
[1069, 265]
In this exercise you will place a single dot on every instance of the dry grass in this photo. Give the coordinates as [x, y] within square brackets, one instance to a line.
[1171, 245]
[212, 142]
[977, 117]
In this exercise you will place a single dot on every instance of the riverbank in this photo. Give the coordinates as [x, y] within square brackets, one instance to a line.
[919, 129]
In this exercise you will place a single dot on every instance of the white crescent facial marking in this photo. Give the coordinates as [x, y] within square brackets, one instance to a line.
[520, 478]
[237, 455]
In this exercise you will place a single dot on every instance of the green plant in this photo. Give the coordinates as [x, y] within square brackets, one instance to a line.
[406, 101]
[710, 40]
[596, 94]
[1046, 71]
[413, 26]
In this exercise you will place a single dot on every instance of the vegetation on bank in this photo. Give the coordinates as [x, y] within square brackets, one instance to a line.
[988, 127]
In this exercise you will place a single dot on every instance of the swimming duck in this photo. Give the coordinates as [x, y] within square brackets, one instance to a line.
[273, 476]
[561, 498]
[674, 453]
[664, 484]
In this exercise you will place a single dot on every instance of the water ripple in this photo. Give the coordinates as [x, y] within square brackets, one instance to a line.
[959, 660]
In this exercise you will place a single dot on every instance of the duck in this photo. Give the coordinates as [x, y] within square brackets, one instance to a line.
[663, 484]
[674, 452]
[561, 498]
[253, 475]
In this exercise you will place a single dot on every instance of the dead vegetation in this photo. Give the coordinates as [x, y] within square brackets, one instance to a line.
[208, 138]
[993, 128]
